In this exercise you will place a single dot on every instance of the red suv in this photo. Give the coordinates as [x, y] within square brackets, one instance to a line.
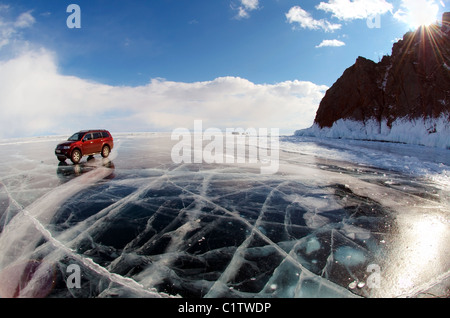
[85, 143]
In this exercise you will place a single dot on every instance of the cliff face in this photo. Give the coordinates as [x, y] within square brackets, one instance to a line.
[356, 95]
[413, 83]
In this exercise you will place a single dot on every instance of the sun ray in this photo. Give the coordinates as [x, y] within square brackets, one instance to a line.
[433, 39]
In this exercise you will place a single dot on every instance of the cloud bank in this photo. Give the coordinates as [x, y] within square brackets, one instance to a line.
[37, 99]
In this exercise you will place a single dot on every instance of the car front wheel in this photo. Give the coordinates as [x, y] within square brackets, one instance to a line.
[76, 156]
[105, 151]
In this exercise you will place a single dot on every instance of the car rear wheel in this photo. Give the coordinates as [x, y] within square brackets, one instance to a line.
[76, 156]
[105, 151]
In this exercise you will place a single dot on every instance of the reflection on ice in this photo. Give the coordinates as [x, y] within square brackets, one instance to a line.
[142, 226]
[420, 255]
[66, 171]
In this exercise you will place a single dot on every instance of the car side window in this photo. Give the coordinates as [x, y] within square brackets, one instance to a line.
[105, 134]
[88, 136]
[97, 135]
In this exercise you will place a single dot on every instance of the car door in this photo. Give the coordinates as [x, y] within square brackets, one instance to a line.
[88, 144]
[97, 146]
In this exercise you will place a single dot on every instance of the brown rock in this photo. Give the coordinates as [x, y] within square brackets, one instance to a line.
[413, 82]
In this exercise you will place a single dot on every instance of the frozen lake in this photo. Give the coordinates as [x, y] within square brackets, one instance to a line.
[338, 219]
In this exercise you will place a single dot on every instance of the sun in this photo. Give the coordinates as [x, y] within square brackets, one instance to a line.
[423, 18]
[417, 13]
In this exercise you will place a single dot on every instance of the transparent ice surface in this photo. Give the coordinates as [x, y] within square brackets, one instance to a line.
[338, 219]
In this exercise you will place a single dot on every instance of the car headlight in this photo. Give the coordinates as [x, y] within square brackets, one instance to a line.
[66, 147]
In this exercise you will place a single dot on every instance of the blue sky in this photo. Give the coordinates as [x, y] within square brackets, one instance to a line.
[182, 57]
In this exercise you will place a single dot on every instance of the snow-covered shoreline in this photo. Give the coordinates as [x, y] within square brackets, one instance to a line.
[431, 132]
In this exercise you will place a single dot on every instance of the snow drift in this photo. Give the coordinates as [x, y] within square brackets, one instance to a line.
[432, 132]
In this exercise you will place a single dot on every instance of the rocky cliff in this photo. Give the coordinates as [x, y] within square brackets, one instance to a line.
[405, 93]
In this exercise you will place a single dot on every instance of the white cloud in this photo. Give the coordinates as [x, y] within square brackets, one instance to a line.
[37, 99]
[417, 12]
[245, 7]
[334, 43]
[25, 20]
[355, 9]
[10, 29]
[305, 20]
[250, 4]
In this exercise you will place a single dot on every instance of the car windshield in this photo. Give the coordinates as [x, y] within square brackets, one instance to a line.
[76, 137]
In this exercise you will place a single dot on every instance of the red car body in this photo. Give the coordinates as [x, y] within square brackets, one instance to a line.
[85, 143]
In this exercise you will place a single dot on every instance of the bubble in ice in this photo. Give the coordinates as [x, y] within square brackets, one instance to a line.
[349, 256]
[353, 284]
[312, 245]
